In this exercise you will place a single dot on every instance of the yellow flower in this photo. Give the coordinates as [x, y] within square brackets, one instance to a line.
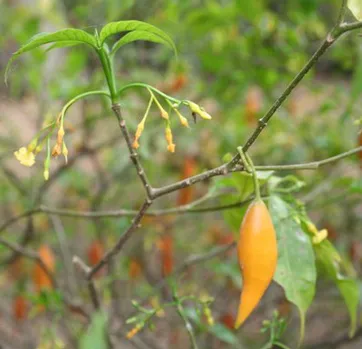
[171, 146]
[137, 136]
[208, 315]
[321, 235]
[195, 108]
[134, 331]
[60, 135]
[25, 157]
[312, 228]
[46, 174]
[57, 150]
[163, 112]
[65, 152]
[183, 120]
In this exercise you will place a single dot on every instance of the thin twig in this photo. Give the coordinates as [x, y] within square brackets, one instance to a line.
[74, 307]
[310, 165]
[85, 269]
[180, 209]
[29, 254]
[133, 154]
[342, 12]
[181, 312]
[191, 260]
[66, 254]
[122, 240]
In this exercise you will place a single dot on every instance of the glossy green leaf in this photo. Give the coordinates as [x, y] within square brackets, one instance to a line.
[125, 26]
[140, 35]
[330, 262]
[296, 271]
[96, 334]
[356, 8]
[61, 36]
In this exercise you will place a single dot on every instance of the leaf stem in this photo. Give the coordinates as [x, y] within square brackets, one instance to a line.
[248, 163]
[154, 89]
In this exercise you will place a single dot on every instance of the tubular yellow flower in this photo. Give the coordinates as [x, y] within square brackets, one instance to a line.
[57, 150]
[195, 108]
[38, 148]
[46, 174]
[60, 135]
[164, 113]
[312, 228]
[32, 145]
[65, 152]
[25, 157]
[171, 146]
[183, 120]
[208, 315]
[137, 136]
[320, 236]
[134, 331]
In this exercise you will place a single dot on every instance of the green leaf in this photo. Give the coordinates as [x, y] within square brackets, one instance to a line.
[296, 271]
[62, 44]
[140, 35]
[125, 26]
[242, 182]
[330, 262]
[224, 334]
[243, 186]
[96, 334]
[356, 8]
[64, 36]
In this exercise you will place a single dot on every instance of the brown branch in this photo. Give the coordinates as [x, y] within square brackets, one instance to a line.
[85, 270]
[121, 241]
[191, 260]
[334, 34]
[133, 154]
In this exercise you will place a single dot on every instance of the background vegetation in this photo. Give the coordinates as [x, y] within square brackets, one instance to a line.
[234, 58]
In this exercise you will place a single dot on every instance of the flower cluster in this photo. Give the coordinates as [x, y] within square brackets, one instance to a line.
[27, 155]
[196, 111]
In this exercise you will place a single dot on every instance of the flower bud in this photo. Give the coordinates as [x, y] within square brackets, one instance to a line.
[196, 109]
[57, 150]
[171, 146]
[183, 120]
[321, 235]
[137, 136]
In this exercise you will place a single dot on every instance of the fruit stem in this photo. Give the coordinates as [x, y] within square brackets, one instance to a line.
[249, 166]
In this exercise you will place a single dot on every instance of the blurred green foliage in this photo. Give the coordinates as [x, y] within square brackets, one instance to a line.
[235, 57]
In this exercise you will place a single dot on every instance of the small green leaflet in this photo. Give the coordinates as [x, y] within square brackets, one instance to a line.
[139, 35]
[356, 8]
[96, 333]
[330, 262]
[145, 31]
[62, 36]
[296, 270]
